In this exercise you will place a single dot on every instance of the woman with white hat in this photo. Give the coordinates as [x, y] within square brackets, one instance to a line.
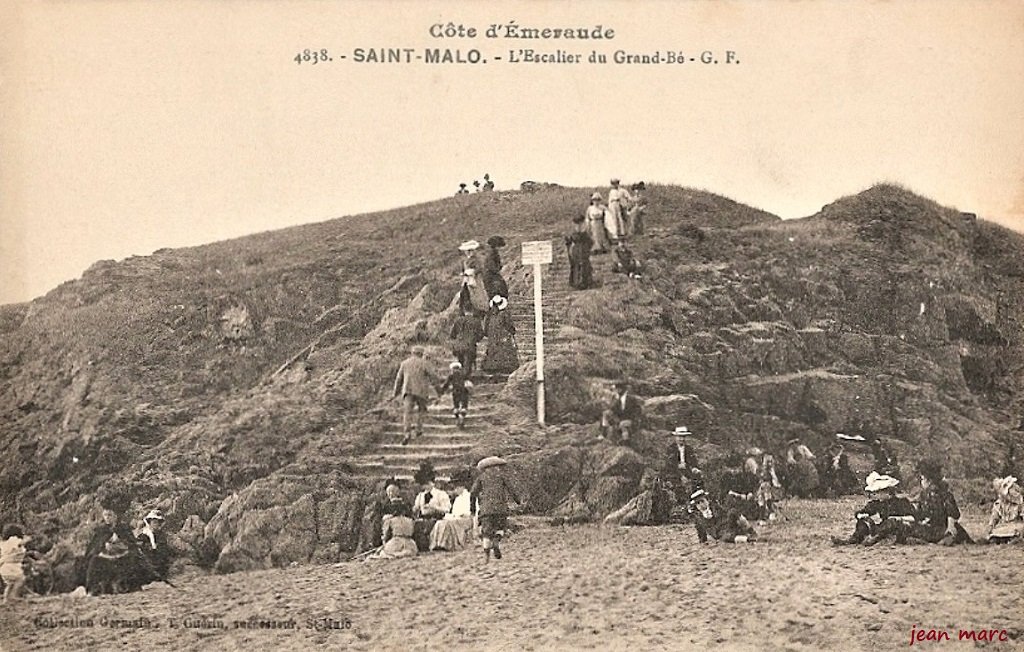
[885, 513]
[152, 541]
[501, 356]
[489, 497]
[472, 294]
[595, 221]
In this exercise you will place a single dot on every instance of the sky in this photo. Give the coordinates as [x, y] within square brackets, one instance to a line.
[126, 127]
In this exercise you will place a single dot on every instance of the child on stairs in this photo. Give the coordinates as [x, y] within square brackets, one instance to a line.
[459, 386]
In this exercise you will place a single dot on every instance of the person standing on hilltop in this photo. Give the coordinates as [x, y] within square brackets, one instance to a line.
[413, 383]
[488, 184]
[462, 190]
[618, 201]
[636, 210]
[595, 218]
[581, 272]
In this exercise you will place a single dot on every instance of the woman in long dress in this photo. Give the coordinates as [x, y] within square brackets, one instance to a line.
[472, 294]
[615, 218]
[501, 344]
[596, 222]
[580, 270]
[454, 531]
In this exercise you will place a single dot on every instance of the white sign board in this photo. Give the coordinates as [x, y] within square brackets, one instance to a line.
[537, 252]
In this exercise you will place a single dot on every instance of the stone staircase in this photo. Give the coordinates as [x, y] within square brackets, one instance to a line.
[443, 443]
[556, 296]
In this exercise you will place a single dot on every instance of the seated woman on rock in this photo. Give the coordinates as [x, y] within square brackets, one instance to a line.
[652, 506]
[725, 525]
[837, 479]
[1007, 521]
[885, 514]
[455, 530]
[937, 512]
[430, 506]
[112, 553]
[801, 474]
[396, 528]
[156, 552]
[626, 262]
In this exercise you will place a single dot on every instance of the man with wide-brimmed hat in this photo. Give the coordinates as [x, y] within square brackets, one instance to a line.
[885, 514]
[413, 383]
[622, 419]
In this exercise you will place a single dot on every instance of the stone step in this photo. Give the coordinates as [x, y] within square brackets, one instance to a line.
[477, 409]
[428, 426]
[396, 457]
[426, 449]
[462, 436]
[403, 471]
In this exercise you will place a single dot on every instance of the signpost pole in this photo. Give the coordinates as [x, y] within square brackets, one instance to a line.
[538, 253]
[538, 329]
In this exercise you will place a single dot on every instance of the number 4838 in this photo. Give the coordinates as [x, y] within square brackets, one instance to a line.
[312, 56]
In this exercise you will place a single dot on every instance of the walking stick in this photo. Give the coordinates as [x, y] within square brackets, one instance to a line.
[368, 553]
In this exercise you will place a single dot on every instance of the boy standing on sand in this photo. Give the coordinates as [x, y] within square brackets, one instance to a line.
[489, 498]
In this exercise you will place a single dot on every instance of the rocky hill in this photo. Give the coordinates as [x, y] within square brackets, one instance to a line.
[236, 384]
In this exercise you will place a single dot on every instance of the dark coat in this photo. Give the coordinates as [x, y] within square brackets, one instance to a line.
[491, 493]
[466, 332]
[633, 410]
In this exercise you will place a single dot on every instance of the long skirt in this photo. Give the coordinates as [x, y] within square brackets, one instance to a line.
[501, 356]
[451, 533]
[474, 295]
[396, 548]
[599, 235]
[581, 273]
[613, 220]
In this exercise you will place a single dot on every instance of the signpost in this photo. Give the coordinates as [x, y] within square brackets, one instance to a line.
[537, 253]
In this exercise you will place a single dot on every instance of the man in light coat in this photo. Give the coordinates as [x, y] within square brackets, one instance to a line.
[413, 383]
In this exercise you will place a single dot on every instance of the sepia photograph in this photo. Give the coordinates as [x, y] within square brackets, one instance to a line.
[521, 325]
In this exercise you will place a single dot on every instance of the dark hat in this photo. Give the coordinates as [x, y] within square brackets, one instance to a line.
[930, 469]
[115, 501]
[496, 241]
[425, 473]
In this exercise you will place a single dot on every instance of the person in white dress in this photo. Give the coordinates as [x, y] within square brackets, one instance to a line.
[596, 213]
[618, 202]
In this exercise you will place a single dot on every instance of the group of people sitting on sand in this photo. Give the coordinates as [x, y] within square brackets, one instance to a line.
[747, 488]
[116, 559]
[439, 520]
[604, 226]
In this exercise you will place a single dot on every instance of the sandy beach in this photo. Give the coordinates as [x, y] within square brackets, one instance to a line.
[583, 587]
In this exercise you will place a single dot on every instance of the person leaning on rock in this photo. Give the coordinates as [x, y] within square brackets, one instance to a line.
[622, 419]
